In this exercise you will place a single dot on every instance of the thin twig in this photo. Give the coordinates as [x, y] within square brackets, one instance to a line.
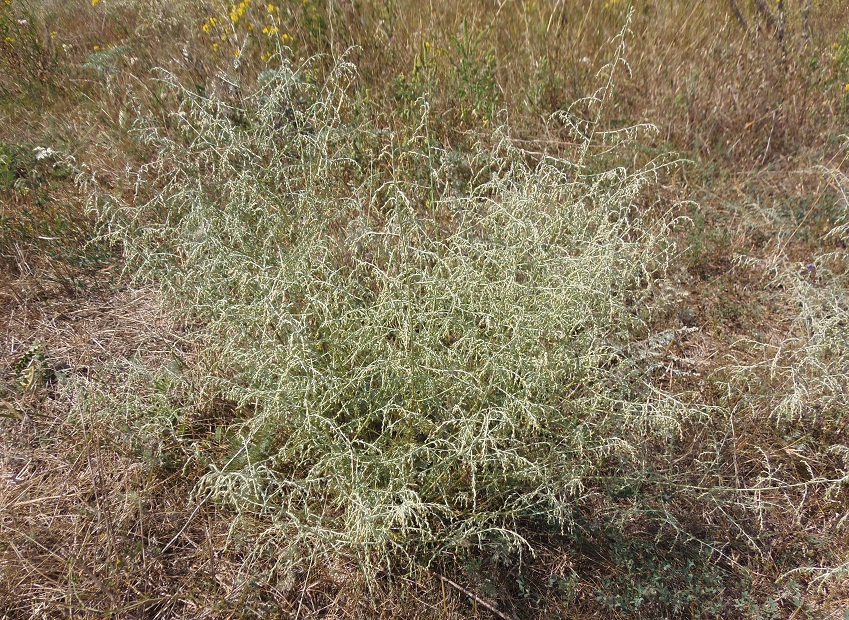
[198, 507]
[769, 140]
[476, 598]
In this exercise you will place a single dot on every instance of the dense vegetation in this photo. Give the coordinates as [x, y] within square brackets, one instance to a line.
[518, 309]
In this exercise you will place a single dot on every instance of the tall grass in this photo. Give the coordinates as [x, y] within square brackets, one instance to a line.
[423, 359]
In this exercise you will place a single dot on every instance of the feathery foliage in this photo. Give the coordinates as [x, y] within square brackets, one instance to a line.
[421, 365]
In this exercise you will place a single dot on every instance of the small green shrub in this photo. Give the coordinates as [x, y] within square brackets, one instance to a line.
[106, 61]
[651, 584]
[26, 169]
[422, 367]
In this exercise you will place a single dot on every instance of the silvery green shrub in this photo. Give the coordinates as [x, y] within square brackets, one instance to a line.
[421, 365]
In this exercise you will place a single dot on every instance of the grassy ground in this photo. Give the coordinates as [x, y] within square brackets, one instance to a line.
[523, 309]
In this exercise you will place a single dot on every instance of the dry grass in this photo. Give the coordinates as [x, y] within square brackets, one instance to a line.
[109, 421]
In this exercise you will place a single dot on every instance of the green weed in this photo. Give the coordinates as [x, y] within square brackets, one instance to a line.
[427, 369]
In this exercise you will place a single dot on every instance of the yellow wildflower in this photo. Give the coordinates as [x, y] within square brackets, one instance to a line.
[846, 88]
[96, 48]
[215, 47]
[93, 2]
[271, 8]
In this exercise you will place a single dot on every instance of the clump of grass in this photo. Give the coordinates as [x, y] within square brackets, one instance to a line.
[419, 368]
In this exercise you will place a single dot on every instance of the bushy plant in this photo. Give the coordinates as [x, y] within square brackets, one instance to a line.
[811, 363]
[798, 392]
[418, 366]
